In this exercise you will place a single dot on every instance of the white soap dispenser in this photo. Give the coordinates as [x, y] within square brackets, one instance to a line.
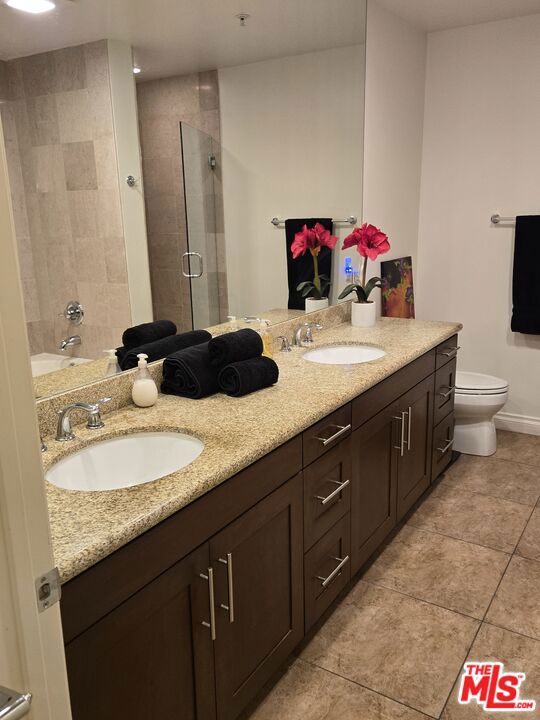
[144, 392]
[112, 363]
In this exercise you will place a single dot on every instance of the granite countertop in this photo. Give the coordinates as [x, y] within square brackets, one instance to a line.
[88, 526]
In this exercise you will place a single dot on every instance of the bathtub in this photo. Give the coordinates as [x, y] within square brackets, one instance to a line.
[44, 363]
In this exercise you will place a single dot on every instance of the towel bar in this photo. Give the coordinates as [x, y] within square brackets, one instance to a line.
[351, 220]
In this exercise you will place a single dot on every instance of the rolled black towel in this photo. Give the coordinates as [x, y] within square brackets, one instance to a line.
[246, 376]
[188, 373]
[161, 348]
[235, 346]
[147, 333]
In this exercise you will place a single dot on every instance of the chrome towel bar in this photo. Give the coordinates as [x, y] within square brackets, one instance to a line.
[351, 220]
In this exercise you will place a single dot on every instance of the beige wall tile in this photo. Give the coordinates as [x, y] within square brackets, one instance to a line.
[90, 260]
[82, 212]
[109, 214]
[43, 126]
[37, 74]
[119, 305]
[15, 79]
[100, 107]
[164, 252]
[158, 177]
[208, 90]
[106, 165]
[35, 337]
[75, 116]
[160, 137]
[97, 63]
[54, 214]
[68, 69]
[115, 260]
[31, 301]
[80, 166]
[47, 169]
[94, 297]
[3, 81]
[161, 215]
[167, 287]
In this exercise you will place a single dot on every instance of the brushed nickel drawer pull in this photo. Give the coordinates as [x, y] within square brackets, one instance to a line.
[325, 582]
[448, 445]
[334, 493]
[212, 623]
[342, 430]
[401, 446]
[409, 427]
[451, 389]
[230, 586]
[451, 352]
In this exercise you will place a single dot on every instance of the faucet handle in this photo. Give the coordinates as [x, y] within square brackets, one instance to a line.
[310, 326]
[94, 418]
[285, 344]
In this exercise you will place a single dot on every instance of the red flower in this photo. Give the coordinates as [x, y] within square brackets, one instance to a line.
[312, 239]
[369, 240]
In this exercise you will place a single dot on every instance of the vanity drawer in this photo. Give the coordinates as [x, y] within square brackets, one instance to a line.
[445, 388]
[326, 434]
[327, 569]
[443, 438]
[446, 351]
[327, 491]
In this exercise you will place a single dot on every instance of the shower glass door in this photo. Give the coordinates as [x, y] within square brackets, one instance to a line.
[200, 155]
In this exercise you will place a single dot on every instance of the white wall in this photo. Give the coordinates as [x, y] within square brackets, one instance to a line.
[292, 147]
[395, 77]
[481, 155]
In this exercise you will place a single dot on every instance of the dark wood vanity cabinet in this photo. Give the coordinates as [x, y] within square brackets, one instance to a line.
[190, 620]
[151, 657]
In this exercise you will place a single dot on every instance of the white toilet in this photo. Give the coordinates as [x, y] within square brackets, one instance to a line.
[478, 398]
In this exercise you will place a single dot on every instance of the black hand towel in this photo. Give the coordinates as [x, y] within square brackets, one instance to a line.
[526, 276]
[235, 346]
[188, 373]
[147, 333]
[246, 376]
[161, 348]
[301, 269]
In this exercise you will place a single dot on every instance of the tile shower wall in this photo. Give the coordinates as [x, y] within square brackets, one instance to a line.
[58, 128]
[162, 105]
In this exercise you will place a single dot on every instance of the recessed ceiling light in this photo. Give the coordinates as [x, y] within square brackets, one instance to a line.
[31, 6]
[136, 70]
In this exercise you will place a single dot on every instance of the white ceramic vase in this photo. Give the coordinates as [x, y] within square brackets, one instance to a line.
[312, 304]
[363, 314]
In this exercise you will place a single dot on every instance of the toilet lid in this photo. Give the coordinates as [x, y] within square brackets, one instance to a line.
[479, 384]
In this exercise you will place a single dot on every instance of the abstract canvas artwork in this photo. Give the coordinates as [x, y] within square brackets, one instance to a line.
[397, 288]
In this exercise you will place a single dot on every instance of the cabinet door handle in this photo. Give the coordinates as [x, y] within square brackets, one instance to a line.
[341, 431]
[13, 705]
[230, 586]
[325, 582]
[451, 389]
[334, 493]
[448, 445]
[401, 446]
[451, 351]
[212, 623]
[409, 426]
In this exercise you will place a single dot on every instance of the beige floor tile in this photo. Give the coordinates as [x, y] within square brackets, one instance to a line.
[454, 574]
[500, 478]
[477, 518]
[529, 545]
[518, 654]
[308, 693]
[406, 649]
[518, 447]
[516, 605]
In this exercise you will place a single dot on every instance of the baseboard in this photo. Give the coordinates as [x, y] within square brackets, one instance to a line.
[517, 423]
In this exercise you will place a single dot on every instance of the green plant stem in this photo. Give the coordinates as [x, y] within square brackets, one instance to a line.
[316, 278]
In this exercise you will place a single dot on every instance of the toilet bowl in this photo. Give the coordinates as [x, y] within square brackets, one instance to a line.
[478, 398]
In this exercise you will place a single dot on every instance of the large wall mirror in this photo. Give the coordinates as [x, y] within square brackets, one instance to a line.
[163, 194]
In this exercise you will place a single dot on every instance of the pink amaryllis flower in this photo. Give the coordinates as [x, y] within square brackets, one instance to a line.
[312, 239]
[369, 241]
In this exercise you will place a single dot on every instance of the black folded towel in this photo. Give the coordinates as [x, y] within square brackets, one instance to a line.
[188, 373]
[147, 333]
[161, 348]
[235, 346]
[246, 376]
[526, 276]
[301, 269]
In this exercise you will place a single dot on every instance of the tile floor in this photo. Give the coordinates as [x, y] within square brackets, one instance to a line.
[460, 580]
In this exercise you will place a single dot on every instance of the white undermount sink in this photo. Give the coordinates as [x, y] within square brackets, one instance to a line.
[344, 354]
[125, 461]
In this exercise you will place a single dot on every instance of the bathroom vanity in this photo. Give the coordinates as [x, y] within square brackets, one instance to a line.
[193, 617]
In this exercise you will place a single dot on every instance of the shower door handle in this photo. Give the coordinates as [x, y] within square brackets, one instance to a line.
[188, 274]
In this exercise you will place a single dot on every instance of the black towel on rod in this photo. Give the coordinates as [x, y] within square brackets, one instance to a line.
[526, 276]
[301, 269]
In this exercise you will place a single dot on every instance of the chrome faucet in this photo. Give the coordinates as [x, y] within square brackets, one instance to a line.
[310, 327]
[285, 344]
[69, 342]
[63, 429]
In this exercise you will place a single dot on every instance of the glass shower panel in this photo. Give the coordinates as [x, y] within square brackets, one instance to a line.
[199, 263]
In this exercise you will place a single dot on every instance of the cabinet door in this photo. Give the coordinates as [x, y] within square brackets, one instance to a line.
[373, 491]
[257, 564]
[151, 657]
[414, 466]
